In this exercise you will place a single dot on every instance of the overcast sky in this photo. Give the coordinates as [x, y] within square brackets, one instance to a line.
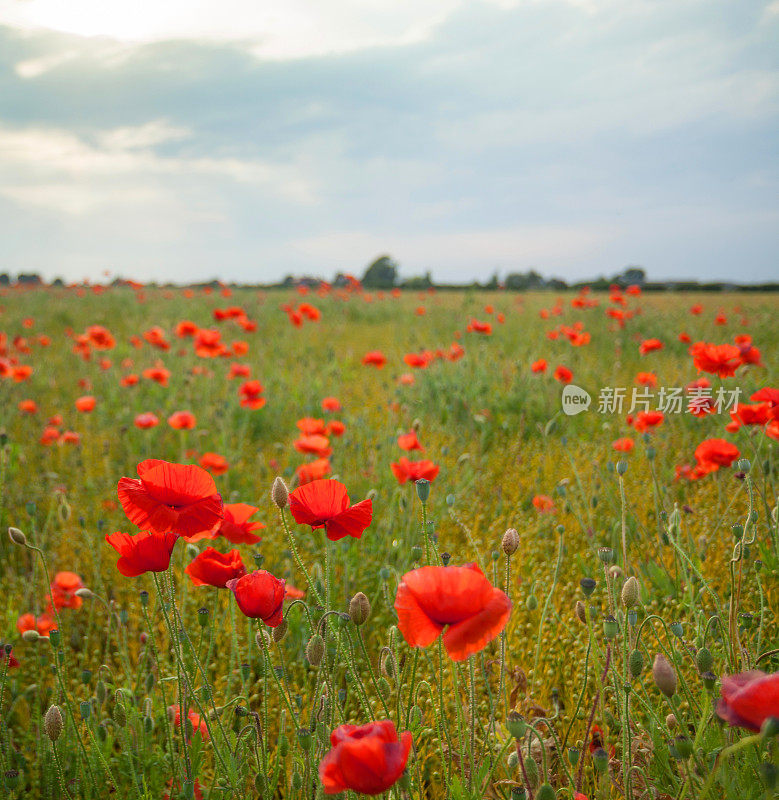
[244, 139]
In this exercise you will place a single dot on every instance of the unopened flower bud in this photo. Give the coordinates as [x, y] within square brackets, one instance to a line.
[600, 760]
[636, 663]
[84, 593]
[359, 609]
[671, 722]
[510, 542]
[704, 660]
[664, 675]
[280, 631]
[630, 592]
[31, 635]
[581, 612]
[17, 537]
[279, 493]
[53, 723]
[315, 650]
[120, 715]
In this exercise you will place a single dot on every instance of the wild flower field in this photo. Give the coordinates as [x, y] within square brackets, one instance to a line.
[289, 545]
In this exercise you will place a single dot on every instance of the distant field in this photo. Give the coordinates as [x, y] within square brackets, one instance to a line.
[464, 372]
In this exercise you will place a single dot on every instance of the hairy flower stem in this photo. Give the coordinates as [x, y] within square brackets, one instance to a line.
[296, 555]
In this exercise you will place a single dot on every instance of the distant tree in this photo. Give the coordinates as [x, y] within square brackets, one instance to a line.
[58, 282]
[29, 278]
[381, 274]
[419, 282]
[5, 279]
[522, 281]
[631, 275]
[492, 284]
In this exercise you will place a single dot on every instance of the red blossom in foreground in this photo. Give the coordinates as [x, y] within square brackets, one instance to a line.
[259, 595]
[749, 698]
[458, 599]
[234, 526]
[143, 552]
[171, 497]
[716, 359]
[711, 454]
[325, 504]
[212, 568]
[368, 759]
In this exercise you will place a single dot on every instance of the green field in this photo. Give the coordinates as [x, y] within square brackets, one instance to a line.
[587, 713]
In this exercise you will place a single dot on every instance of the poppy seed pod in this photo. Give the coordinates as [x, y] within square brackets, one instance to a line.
[53, 723]
[359, 609]
[423, 489]
[630, 592]
[510, 542]
[279, 493]
[17, 537]
[664, 675]
[315, 650]
[581, 612]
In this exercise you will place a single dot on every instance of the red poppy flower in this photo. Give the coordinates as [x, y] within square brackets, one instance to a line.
[367, 759]
[331, 404]
[199, 791]
[186, 328]
[407, 379]
[235, 527]
[335, 428]
[169, 497]
[431, 598]
[476, 326]
[43, 624]
[12, 661]
[64, 588]
[239, 371]
[315, 444]
[563, 374]
[251, 392]
[212, 568]
[293, 593]
[214, 463]
[624, 445]
[157, 374]
[100, 338]
[313, 471]
[86, 404]
[717, 359]
[146, 420]
[182, 420]
[374, 358]
[539, 366]
[711, 454]
[646, 379]
[198, 724]
[544, 504]
[684, 338]
[649, 345]
[28, 406]
[309, 426]
[645, 420]
[405, 470]
[129, 380]
[418, 360]
[749, 698]
[143, 552]
[408, 441]
[259, 595]
[325, 504]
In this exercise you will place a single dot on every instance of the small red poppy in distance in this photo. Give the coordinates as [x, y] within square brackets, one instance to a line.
[539, 366]
[648, 419]
[624, 445]
[325, 504]
[431, 598]
[316, 444]
[43, 624]
[563, 374]
[143, 552]
[544, 504]
[171, 497]
[146, 420]
[368, 759]
[64, 588]
[748, 699]
[331, 404]
[212, 568]
[182, 420]
[313, 471]
[259, 595]
[405, 470]
[649, 346]
[86, 404]
[214, 463]
[374, 358]
[409, 441]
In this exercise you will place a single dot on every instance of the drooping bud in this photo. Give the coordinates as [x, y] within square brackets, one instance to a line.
[84, 593]
[31, 635]
[671, 722]
[630, 592]
[664, 675]
[315, 650]
[510, 542]
[120, 715]
[279, 493]
[17, 537]
[280, 631]
[53, 723]
[359, 609]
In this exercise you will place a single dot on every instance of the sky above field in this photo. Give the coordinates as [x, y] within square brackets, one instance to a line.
[191, 139]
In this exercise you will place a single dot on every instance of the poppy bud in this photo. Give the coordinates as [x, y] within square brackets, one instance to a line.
[709, 679]
[510, 542]
[260, 637]
[17, 537]
[120, 715]
[630, 592]
[516, 725]
[149, 682]
[588, 586]
[192, 552]
[531, 603]
[636, 663]
[664, 675]
[676, 629]
[512, 761]
[622, 467]
[84, 593]
[280, 631]
[315, 650]
[671, 722]
[12, 778]
[279, 493]
[416, 552]
[31, 636]
[704, 660]
[202, 617]
[305, 739]
[359, 609]
[581, 612]
[53, 723]
[531, 771]
[423, 489]
[545, 792]
[744, 464]
[600, 760]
